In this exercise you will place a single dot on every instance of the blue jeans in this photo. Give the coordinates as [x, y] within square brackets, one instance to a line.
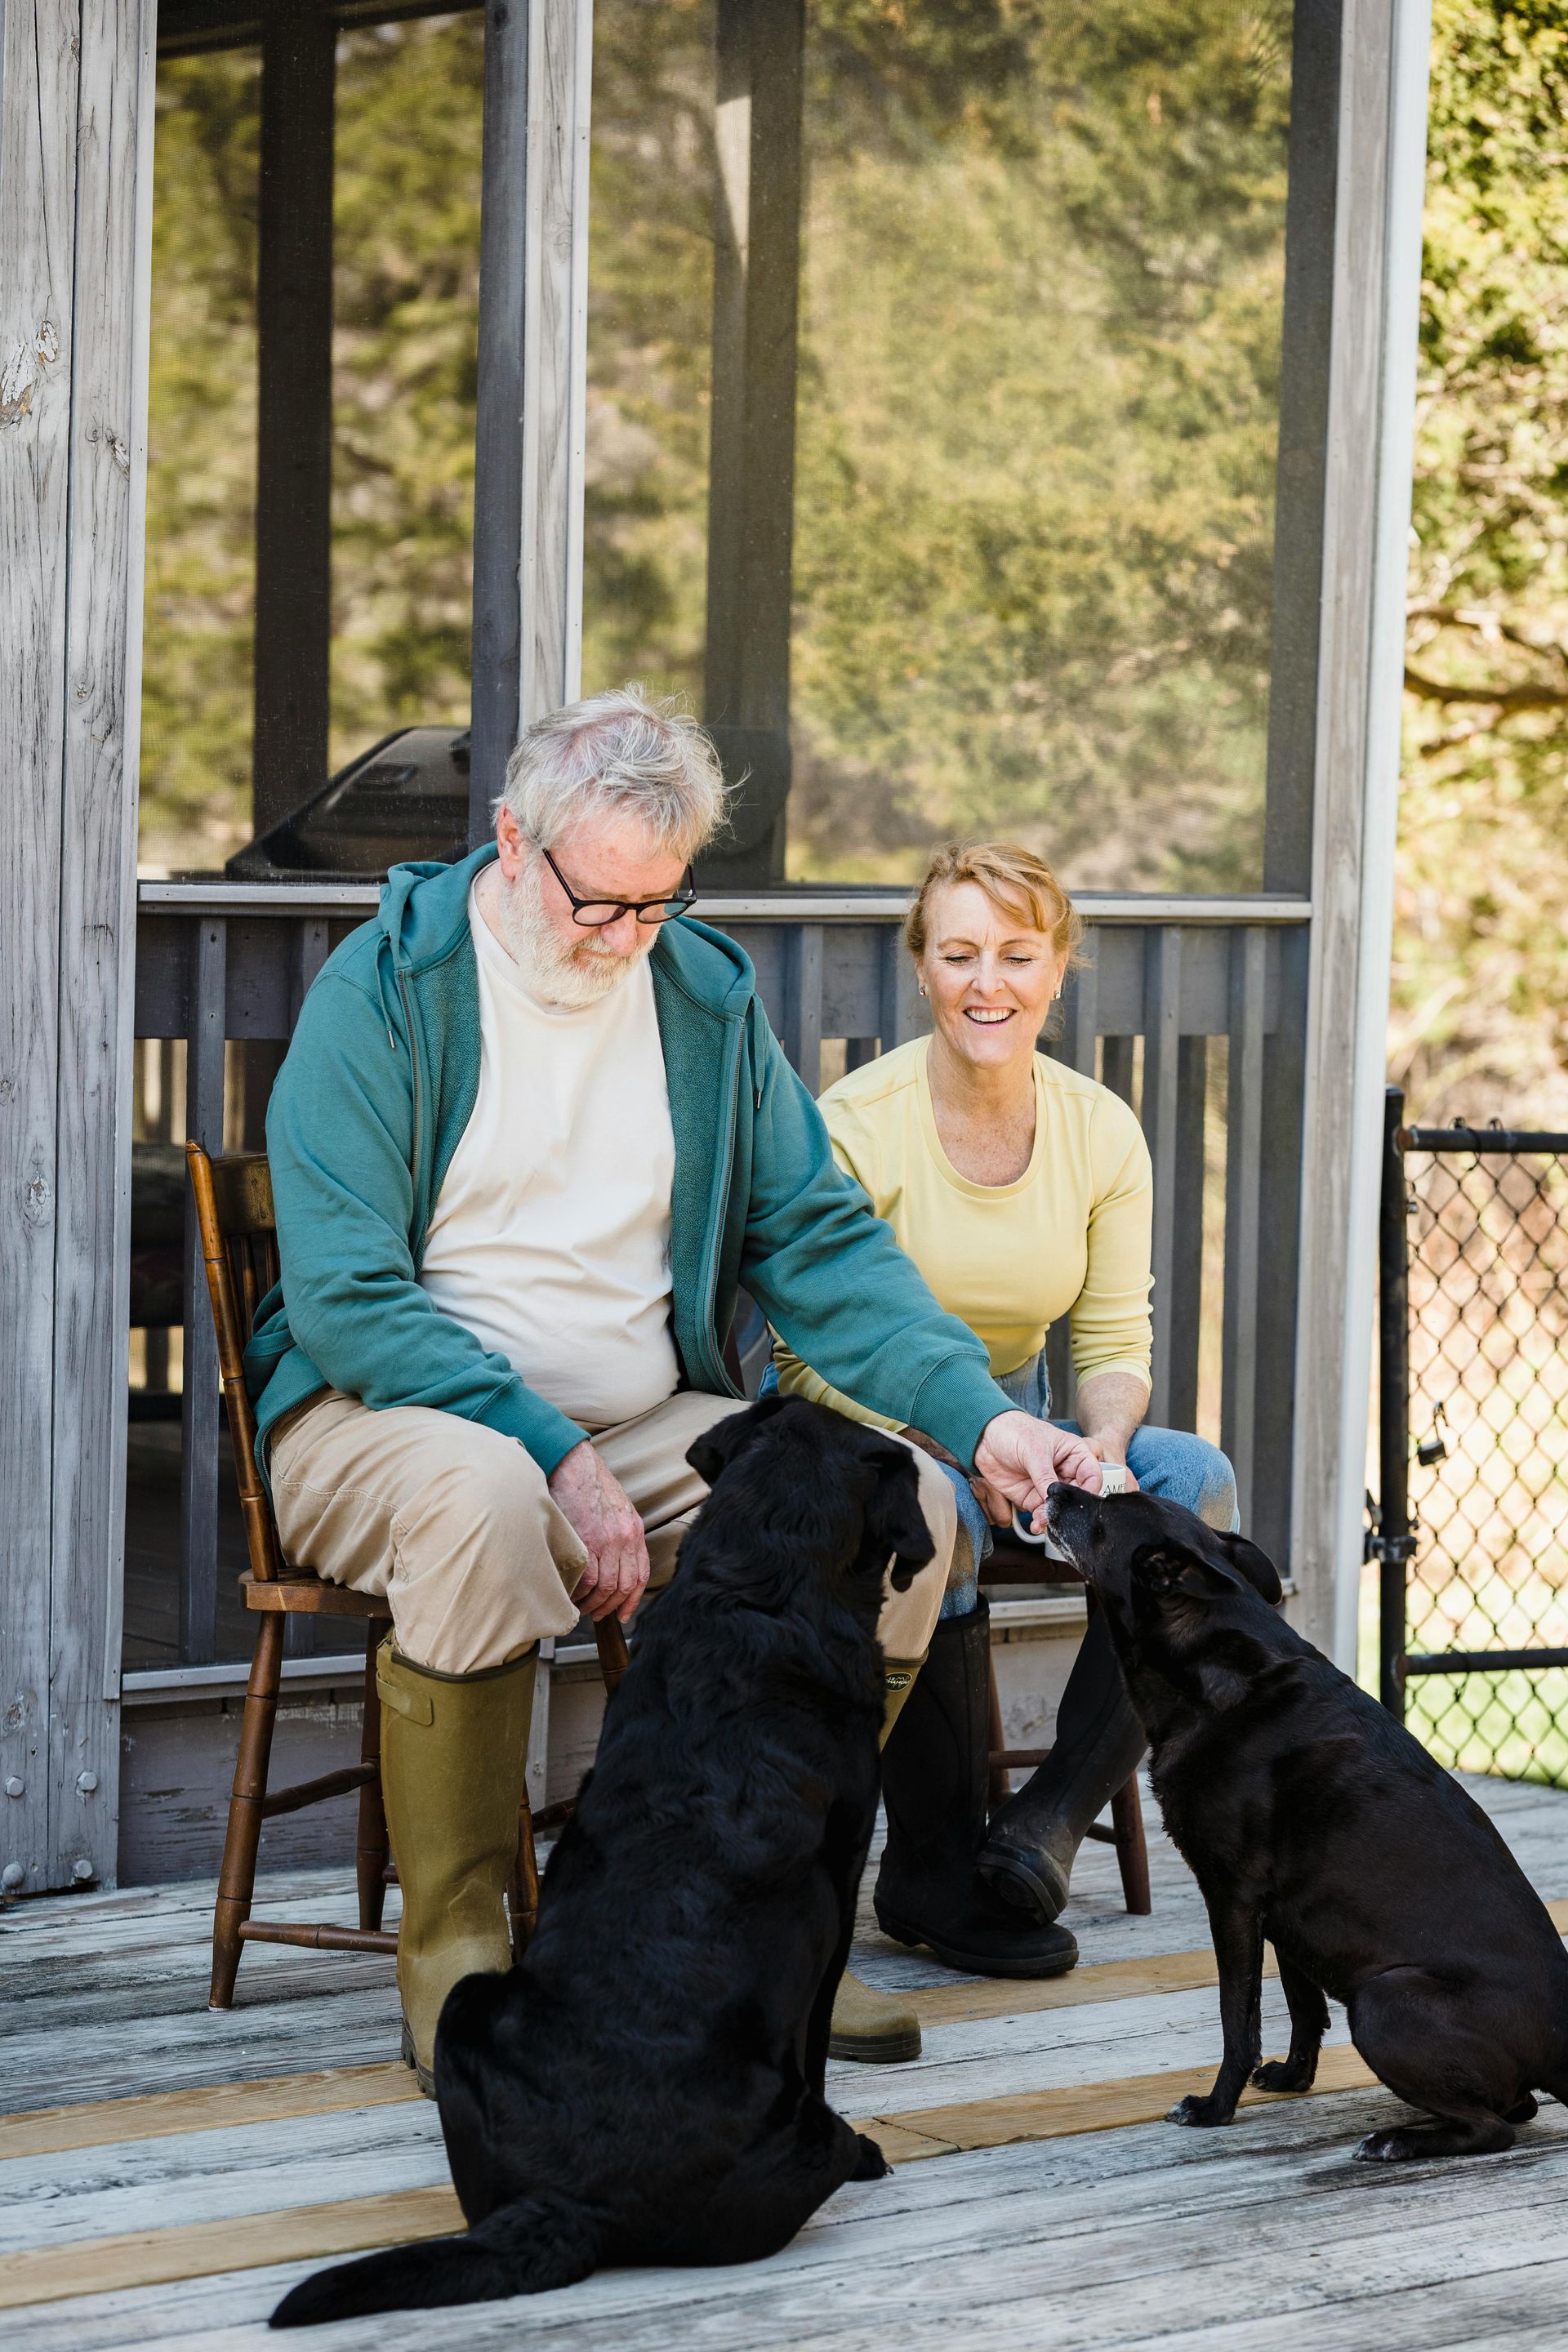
[1169, 1462]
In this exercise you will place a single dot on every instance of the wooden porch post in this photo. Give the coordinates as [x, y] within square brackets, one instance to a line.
[761, 49]
[533, 342]
[76, 122]
[294, 410]
[1371, 423]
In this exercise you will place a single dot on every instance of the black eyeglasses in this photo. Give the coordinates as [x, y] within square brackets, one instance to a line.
[595, 913]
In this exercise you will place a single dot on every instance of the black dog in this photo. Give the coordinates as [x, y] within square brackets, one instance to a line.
[1311, 1817]
[648, 2086]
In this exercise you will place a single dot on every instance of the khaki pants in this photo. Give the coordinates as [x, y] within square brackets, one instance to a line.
[455, 1526]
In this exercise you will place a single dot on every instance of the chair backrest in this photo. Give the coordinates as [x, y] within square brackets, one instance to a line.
[240, 1249]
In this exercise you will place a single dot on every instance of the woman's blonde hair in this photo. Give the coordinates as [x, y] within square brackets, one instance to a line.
[1014, 879]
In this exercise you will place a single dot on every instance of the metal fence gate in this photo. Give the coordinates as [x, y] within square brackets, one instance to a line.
[1470, 1527]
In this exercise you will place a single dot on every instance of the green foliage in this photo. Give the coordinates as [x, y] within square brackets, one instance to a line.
[405, 352]
[407, 307]
[1042, 261]
[201, 481]
[1036, 439]
[1481, 1003]
[650, 310]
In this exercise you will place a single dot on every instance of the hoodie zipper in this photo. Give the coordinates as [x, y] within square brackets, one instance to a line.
[418, 1103]
[716, 1218]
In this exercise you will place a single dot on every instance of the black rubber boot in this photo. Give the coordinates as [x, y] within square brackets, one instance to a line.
[1027, 1860]
[934, 1783]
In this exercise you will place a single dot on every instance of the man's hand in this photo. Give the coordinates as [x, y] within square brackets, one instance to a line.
[1018, 1457]
[992, 1502]
[585, 1489]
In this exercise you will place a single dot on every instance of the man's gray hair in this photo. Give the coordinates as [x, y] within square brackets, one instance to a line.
[620, 752]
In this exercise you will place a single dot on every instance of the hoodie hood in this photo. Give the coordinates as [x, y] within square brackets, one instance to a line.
[424, 911]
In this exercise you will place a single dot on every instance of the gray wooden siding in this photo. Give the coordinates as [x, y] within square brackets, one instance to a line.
[75, 151]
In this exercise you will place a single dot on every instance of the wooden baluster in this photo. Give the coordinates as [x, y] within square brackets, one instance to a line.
[801, 1037]
[199, 1411]
[1116, 1066]
[904, 1011]
[1187, 1233]
[1080, 1030]
[1162, 1035]
[1243, 1165]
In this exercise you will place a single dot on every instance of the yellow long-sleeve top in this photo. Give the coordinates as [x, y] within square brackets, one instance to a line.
[1072, 1236]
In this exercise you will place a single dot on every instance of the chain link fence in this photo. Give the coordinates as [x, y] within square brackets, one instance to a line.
[1471, 1528]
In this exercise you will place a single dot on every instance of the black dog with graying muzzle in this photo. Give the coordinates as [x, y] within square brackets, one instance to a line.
[1310, 1818]
[648, 2086]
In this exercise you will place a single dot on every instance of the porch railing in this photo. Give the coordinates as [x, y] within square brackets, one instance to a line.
[226, 966]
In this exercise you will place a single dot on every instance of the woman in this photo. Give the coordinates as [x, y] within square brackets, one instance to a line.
[1023, 1192]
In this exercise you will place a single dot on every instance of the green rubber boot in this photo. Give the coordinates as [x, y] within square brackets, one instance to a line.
[878, 2029]
[454, 1754]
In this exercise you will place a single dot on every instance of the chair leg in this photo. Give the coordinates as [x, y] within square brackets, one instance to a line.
[522, 1888]
[237, 1880]
[1131, 1848]
[370, 1845]
[996, 1788]
[614, 1656]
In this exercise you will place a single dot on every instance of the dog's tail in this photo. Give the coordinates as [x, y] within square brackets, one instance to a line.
[540, 2241]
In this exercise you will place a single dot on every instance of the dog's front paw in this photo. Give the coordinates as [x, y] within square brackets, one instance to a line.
[1387, 2148]
[1205, 2113]
[1285, 2074]
[872, 2164]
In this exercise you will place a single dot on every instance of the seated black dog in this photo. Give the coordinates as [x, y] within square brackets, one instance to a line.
[1311, 1817]
[648, 2086]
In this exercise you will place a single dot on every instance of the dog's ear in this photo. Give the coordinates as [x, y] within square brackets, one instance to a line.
[1159, 1567]
[1168, 1569]
[1255, 1565]
[718, 1446]
[895, 1523]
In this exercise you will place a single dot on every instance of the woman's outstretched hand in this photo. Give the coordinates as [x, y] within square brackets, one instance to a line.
[1019, 1457]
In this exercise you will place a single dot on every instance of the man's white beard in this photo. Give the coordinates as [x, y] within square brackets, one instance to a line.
[572, 977]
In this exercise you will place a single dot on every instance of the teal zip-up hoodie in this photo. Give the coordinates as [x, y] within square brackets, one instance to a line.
[380, 1082]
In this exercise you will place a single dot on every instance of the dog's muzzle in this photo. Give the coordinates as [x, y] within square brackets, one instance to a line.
[1112, 1481]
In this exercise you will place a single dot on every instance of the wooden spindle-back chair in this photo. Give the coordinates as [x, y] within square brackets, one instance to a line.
[233, 1199]
[1011, 1563]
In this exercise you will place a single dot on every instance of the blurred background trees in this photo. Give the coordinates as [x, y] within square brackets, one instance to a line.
[1480, 991]
[1042, 256]
[1042, 263]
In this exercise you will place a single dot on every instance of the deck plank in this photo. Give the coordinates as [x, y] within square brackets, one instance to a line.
[1003, 2056]
[1130, 2234]
[1104, 2243]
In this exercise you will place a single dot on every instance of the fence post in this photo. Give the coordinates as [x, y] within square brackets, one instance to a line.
[1391, 1544]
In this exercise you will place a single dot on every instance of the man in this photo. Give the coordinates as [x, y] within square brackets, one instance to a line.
[531, 1133]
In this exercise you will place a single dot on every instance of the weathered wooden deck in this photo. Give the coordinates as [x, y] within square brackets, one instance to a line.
[147, 2148]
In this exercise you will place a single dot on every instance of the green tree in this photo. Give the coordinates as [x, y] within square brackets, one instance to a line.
[1042, 253]
[1481, 994]
[406, 308]
[201, 476]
